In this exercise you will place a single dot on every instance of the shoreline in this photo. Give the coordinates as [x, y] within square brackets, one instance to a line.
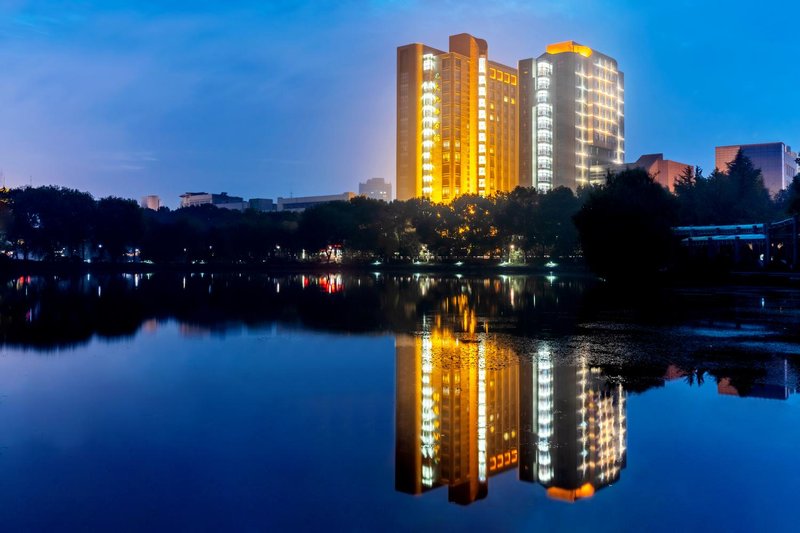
[749, 278]
[19, 267]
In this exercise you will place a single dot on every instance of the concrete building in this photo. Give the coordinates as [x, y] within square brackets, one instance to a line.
[665, 171]
[572, 126]
[223, 200]
[151, 201]
[377, 189]
[776, 160]
[457, 129]
[265, 205]
[301, 203]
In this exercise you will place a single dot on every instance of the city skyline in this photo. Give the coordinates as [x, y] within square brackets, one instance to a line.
[132, 99]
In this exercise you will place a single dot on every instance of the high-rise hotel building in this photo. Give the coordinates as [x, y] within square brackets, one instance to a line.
[572, 125]
[457, 121]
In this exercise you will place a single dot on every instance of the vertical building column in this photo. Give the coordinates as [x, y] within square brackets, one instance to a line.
[482, 125]
[429, 119]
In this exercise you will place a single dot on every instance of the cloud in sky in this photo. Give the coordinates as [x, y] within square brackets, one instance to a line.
[271, 98]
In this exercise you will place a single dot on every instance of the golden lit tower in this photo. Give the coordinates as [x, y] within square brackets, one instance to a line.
[572, 125]
[457, 120]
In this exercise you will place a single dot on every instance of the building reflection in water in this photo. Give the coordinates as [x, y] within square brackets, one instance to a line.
[457, 415]
[469, 407]
[574, 427]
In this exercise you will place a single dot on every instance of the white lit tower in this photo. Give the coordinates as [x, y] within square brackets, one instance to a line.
[572, 125]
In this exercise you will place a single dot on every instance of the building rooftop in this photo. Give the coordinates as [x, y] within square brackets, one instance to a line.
[569, 46]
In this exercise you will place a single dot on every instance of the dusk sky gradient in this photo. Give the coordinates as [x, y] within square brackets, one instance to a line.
[267, 99]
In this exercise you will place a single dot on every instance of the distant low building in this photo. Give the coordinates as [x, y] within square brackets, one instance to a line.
[222, 200]
[777, 162]
[301, 203]
[234, 206]
[377, 189]
[264, 205]
[665, 171]
[151, 201]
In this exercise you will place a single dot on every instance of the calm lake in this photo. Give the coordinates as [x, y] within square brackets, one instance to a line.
[395, 402]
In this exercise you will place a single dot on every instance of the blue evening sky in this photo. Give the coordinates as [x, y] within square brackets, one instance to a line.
[266, 99]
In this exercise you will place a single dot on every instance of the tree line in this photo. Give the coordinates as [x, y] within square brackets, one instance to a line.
[60, 224]
[601, 223]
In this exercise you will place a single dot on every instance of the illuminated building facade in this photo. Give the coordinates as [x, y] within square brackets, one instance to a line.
[777, 161]
[457, 129]
[572, 125]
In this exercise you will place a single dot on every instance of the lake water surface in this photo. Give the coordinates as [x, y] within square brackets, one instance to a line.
[372, 402]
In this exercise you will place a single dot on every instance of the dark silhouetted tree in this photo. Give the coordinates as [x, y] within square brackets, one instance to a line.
[625, 226]
[118, 226]
[555, 230]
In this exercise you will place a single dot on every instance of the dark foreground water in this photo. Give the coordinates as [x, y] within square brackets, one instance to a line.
[376, 402]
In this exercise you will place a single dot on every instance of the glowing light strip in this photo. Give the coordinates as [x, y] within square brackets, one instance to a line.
[544, 419]
[583, 424]
[544, 124]
[482, 125]
[429, 121]
[428, 415]
[481, 413]
[621, 421]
